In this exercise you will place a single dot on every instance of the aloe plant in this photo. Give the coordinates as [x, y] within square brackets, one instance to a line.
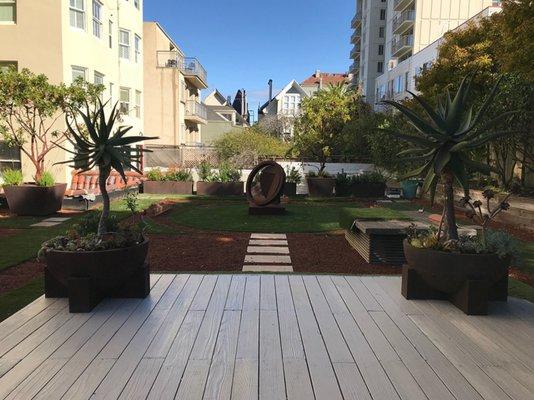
[447, 136]
[103, 146]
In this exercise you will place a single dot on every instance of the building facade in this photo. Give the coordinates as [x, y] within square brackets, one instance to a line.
[222, 118]
[387, 33]
[322, 80]
[99, 41]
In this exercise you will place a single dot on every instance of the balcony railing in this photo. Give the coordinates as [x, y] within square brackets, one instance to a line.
[401, 43]
[196, 110]
[188, 65]
[356, 20]
[193, 67]
[400, 5]
[403, 20]
[354, 67]
[356, 35]
[355, 52]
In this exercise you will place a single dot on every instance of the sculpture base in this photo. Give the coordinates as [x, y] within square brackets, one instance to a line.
[271, 209]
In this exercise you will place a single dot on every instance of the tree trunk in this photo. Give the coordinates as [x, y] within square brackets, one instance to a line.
[102, 179]
[450, 219]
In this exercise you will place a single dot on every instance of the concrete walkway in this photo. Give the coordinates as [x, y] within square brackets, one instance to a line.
[267, 252]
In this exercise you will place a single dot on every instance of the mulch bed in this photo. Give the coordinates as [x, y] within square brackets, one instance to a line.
[20, 275]
[330, 253]
[5, 232]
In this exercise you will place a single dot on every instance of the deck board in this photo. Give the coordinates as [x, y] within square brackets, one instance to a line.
[282, 336]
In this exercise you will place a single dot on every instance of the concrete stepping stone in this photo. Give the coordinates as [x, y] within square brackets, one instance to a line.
[267, 242]
[267, 250]
[267, 259]
[45, 224]
[267, 268]
[56, 219]
[268, 236]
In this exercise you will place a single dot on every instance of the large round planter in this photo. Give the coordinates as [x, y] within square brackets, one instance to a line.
[290, 189]
[321, 187]
[409, 189]
[167, 187]
[220, 188]
[35, 200]
[447, 272]
[107, 269]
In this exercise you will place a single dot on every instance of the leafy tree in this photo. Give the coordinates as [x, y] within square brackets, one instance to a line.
[32, 109]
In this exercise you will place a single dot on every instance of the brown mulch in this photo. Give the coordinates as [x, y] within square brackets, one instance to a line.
[19, 275]
[330, 253]
[5, 232]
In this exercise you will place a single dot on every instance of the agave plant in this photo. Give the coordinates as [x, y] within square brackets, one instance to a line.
[100, 144]
[446, 138]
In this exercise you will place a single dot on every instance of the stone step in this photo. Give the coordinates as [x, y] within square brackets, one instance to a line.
[45, 224]
[267, 250]
[267, 259]
[267, 242]
[267, 268]
[268, 236]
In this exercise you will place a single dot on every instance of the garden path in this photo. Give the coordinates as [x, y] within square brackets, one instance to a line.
[268, 252]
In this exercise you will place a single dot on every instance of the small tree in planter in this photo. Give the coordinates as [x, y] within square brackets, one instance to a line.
[31, 110]
[100, 264]
[444, 264]
[293, 179]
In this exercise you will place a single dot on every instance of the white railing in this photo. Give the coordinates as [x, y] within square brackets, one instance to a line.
[195, 109]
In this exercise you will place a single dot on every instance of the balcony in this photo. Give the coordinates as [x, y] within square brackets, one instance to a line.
[192, 69]
[356, 20]
[196, 112]
[354, 67]
[400, 5]
[356, 36]
[403, 21]
[401, 45]
[355, 52]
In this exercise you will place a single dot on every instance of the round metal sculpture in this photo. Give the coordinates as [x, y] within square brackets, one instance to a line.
[265, 186]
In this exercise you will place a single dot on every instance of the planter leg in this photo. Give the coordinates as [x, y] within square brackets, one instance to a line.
[414, 288]
[499, 291]
[83, 296]
[53, 288]
[472, 298]
[138, 286]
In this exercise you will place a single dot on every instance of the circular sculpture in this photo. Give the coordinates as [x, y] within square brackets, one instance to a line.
[265, 184]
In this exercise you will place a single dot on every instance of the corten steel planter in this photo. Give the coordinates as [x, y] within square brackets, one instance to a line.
[364, 190]
[86, 277]
[168, 187]
[467, 280]
[34, 200]
[290, 189]
[321, 187]
[220, 188]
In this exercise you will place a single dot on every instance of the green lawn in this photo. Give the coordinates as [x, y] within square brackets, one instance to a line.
[14, 300]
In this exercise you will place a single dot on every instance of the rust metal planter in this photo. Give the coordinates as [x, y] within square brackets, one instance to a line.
[290, 189]
[364, 190]
[467, 280]
[220, 188]
[168, 187]
[321, 187]
[30, 199]
[88, 277]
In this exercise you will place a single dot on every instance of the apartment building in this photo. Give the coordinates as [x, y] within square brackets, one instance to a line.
[390, 33]
[97, 40]
[322, 80]
[173, 83]
[223, 117]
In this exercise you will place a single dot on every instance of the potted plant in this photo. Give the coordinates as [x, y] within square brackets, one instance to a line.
[368, 185]
[293, 178]
[30, 107]
[409, 188]
[320, 184]
[225, 182]
[89, 266]
[173, 181]
[468, 271]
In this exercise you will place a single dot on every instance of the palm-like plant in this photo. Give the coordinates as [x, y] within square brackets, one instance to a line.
[102, 146]
[446, 137]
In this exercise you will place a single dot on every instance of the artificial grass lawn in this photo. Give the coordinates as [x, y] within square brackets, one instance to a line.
[14, 300]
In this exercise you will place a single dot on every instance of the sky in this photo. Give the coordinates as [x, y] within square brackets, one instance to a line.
[244, 43]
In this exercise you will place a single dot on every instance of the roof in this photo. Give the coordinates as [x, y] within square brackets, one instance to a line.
[213, 110]
[290, 85]
[328, 78]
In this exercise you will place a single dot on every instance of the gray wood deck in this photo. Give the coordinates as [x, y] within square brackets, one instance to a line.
[269, 337]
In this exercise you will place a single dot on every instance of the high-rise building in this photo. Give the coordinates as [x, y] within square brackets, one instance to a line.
[389, 35]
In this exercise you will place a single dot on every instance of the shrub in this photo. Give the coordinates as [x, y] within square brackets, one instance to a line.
[369, 177]
[46, 179]
[178, 175]
[205, 172]
[293, 175]
[319, 174]
[228, 173]
[89, 225]
[155, 174]
[12, 177]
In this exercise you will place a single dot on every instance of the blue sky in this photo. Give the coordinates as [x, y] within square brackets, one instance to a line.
[244, 43]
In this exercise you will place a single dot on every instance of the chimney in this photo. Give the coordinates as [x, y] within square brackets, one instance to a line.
[245, 105]
[270, 89]
[229, 99]
[317, 73]
[321, 83]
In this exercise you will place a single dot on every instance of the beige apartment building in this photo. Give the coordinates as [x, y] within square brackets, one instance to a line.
[97, 40]
[389, 32]
[173, 83]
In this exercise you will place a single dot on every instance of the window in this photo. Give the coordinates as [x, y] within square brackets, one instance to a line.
[382, 14]
[380, 49]
[380, 67]
[137, 48]
[110, 34]
[5, 65]
[99, 78]
[124, 44]
[77, 73]
[381, 32]
[137, 3]
[291, 104]
[97, 18]
[8, 10]
[77, 14]
[125, 101]
[9, 156]
[406, 81]
[137, 104]
[398, 84]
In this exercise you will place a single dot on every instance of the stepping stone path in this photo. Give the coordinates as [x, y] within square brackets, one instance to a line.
[46, 223]
[267, 252]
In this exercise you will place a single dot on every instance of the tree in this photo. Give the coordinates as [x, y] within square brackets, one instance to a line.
[318, 133]
[31, 109]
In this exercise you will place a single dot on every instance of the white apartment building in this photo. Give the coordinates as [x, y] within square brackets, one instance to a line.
[389, 35]
[97, 40]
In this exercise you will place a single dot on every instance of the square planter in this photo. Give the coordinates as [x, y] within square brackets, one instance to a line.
[33, 200]
[168, 187]
[321, 187]
[290, 189]
[220, 188]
